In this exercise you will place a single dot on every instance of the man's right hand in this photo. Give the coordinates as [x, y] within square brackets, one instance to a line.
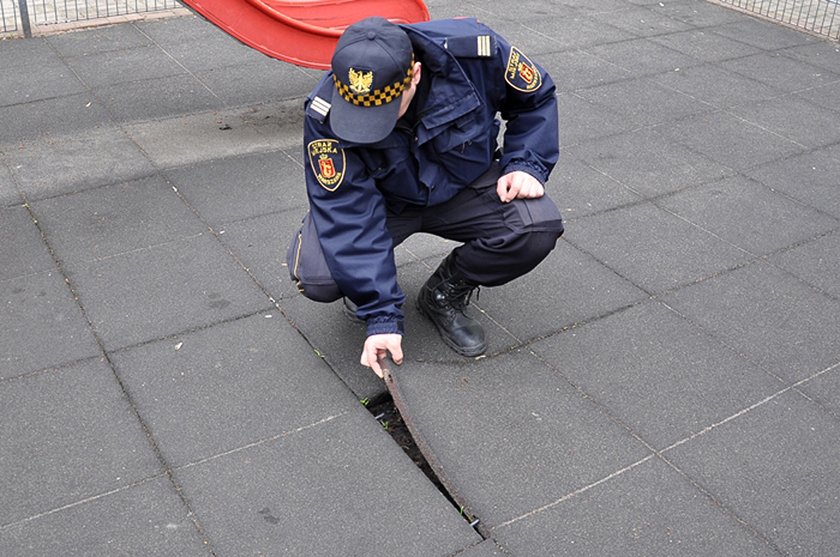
[379, 346]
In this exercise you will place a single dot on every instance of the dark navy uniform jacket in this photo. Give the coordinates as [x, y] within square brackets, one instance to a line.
[469, 75]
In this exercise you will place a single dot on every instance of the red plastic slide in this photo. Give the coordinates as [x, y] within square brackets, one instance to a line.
[298, 31]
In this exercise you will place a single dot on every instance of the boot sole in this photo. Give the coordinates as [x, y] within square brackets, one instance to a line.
[468, 353]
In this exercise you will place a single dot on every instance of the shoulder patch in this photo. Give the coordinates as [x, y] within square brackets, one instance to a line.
[521, 73]
[327, 161]
[471, 46]
[318, 108]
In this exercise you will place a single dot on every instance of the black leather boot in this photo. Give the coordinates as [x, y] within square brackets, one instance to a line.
[443, 299]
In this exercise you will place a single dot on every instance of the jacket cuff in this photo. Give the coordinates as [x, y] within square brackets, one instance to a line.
[533, 169]
[385, 326]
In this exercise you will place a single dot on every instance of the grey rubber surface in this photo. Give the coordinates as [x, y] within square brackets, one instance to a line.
[667, 382]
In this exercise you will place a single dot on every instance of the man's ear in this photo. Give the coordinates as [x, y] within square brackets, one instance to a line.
[415, 76]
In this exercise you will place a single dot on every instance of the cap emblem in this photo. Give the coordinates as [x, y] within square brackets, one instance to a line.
[360, 82]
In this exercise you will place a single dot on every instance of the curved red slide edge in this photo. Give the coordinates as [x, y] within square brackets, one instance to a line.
[302, 33]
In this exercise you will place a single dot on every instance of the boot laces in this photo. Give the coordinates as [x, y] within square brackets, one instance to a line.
[458, 295]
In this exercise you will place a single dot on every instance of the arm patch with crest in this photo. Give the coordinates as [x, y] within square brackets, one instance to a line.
[327, 161]
[522, 74]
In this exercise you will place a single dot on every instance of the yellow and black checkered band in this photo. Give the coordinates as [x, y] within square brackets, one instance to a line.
[377, 97]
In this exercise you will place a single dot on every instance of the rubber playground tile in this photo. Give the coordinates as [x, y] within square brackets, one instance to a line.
[518, 30]
[642, 21]
[662, 376]
[160, 526]
[816, 263]
[340, 341]
[567, 288]
[781, 71]
[114, 220]
[716, 86]
[339, 487]
[211, 50]
[643, 102]
[98, 40]
[820, 53]
[796, 119]
[763, 34]
[647, 510]
[654, 249]
[9, 194]
[442, 9]
[749, 215]
[52, 79]
[20, 55]
[705, 45]
[507, 434]
[827, 96]
[698, 14]
[810, 178]
[240, 187]
[177, 30]
[70, 163]
[203, 136]
[642, 57]
[825, 390]
[262, 79]
[579, 190]
[153, 293]
[157, 98]
[729, 141]
[487, 548]
[68, 434]
[42, 325]
[582, 121]
[27, 254]
[590, 9]
[649, 163]
[205, 393]
[577, 31]
[769, 316]
[79, 114]
[776, 468]
[131, 66]
[576, 69]
[260, 245]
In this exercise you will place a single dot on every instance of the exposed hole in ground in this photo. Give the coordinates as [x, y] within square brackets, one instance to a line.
[386, 413]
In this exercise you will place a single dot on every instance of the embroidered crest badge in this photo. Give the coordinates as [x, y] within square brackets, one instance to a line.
[521, 73]
[360, 82]
[327, 161]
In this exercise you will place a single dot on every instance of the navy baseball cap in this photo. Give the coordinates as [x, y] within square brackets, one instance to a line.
[372, 66]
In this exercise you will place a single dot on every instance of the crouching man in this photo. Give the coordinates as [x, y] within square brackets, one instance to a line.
[401, 137]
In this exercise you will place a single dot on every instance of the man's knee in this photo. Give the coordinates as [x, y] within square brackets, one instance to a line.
[319, 292]
[307, 266]
[536, 245]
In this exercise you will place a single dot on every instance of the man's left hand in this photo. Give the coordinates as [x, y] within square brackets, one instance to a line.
[518, 185]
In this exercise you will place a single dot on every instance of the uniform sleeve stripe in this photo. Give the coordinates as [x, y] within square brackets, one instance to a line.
[484, 45]
[320, 106]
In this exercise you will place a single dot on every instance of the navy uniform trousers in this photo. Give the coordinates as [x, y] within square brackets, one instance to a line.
[501, 241]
